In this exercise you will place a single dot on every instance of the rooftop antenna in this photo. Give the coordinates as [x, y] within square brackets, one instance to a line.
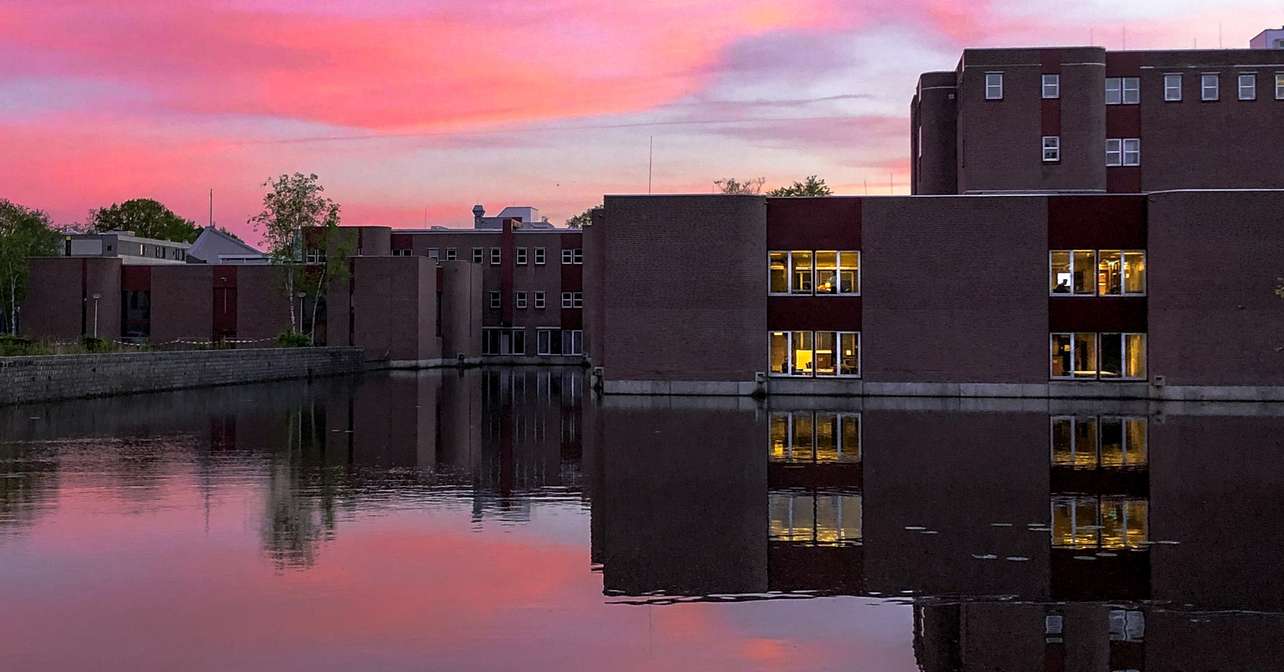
[1219, 34]
[1092, 38]
[866, 180]
[650, 161]
[1125, 38]
[891, 184]
[211, 220]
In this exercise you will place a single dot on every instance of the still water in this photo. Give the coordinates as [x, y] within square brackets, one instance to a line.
[497, 520]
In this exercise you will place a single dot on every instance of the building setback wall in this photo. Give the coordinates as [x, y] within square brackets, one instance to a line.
[685, 295]
[461, 301]
[955, 290]
[394, 301]
[262, 308]
[182, 303]
[1214, 262]
[59, 303]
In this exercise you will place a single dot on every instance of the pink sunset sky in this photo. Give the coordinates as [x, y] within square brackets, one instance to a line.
[413, 110]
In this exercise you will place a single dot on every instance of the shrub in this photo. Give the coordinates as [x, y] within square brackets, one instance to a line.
[293, 339]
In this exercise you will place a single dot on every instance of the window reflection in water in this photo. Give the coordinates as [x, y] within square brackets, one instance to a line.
[1100, 522]
[1096, 443]
[813, 517]
[815, 437]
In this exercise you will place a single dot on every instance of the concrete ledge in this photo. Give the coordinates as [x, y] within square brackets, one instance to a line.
[1053, 390]
[455, 362]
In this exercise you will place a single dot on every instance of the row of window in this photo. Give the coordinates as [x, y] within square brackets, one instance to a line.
[1097, 272]
[1090, 442]
[815, 353]
[1090, 355]
[569, 299]
[814, 517]
[548, 341]
[1119, 151]
[522, 255]
[1127, 90]
[1100, 522]
[821, 272]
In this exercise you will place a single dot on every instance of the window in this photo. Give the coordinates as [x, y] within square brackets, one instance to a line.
[1123, 151]
[403, 253]
[566, 256]
[450, 254]
[1121, 272]
[807, 437]
[1090, 442]
[1051, 148]
[1279, 86]
[1248, 86]
[434, 253]
[1121, 356]
[539, 256]
[519, 299]
[1209, 85]
[1071, 272]
[518, 336]
[994, 86]
[577, 255]
[1123, 90]
[477, 255]
[819, 353]
[544, 340]
[1172, 88]
[572, 342]
[1127, 625]
[577, 300]
[495, 256]
[567, 300]
[814, 518]
[494, 298]
[1132, 151]
[520, 256]
[1051, 86]
[820, 272]
[539, 300]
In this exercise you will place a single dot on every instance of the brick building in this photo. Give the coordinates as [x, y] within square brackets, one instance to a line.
[1163, 295]
[1084, 119]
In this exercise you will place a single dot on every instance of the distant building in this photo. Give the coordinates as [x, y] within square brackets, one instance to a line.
[130, 249]
[215, 246]
[1088, 120]
[1271, 38]
[528, 216]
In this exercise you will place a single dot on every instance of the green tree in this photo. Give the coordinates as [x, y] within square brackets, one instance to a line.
[23, 233]
[583, 219]
[730, 185]
[146, 218]
[812, 186]
[293, 205]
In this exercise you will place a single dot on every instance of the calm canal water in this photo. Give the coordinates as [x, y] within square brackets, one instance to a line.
[498, 520]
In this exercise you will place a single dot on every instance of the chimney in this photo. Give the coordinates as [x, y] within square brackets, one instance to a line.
[478, 212]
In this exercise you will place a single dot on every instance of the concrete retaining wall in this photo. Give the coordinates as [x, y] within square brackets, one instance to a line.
[26, 379]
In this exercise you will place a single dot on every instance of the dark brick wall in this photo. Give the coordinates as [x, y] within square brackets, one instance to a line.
[56, 306]
[395, 308]
[262, 309]
[934, 166]
[1214, 261]
[182, 303]
[685, 296]
[461, 297]
[955, 290]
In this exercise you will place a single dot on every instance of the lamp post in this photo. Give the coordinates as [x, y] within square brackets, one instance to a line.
[96, 297]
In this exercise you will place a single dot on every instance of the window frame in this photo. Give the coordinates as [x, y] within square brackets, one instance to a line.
[1098, 422]
[567, 256]
[997, 85]
[1092, 269]
[1053, 80]
[838, 344]
[1204, 79]
[1168, 88]
[1117, 151]
[496, 300]
[544, 340]
[496, 256]
[1097, 338]
[577, 299]
[1279, 86]
[539, 256]
[451, 254]
[1135, 151]
[519, 300]
[789, 273]
[520, 256]
[567, 300]
[539, 301]
[479, 255]
[1055, 148]
[1251, 78]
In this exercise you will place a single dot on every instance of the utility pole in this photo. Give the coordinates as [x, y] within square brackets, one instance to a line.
[650, 161]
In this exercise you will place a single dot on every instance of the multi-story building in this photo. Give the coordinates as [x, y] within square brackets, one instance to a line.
[1084, 119]
[1271, 38]
[1164, 295]
[124, 245]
